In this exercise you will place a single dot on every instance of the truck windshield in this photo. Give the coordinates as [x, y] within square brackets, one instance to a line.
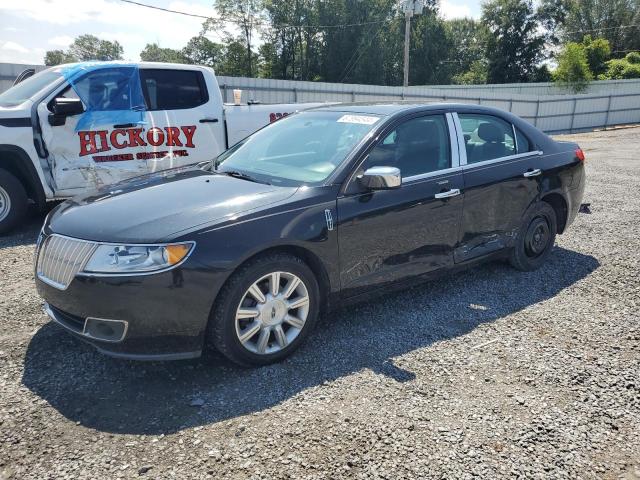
[297, 150]
[26, 89]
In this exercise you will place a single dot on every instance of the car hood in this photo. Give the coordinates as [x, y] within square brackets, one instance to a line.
[22, 110]
[156, 207]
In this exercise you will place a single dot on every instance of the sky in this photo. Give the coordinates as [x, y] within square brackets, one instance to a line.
[31, 27]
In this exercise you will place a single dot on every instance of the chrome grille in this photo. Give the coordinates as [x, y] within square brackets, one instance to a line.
[61, 258]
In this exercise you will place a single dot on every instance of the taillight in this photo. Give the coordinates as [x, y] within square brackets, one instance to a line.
[580, 154]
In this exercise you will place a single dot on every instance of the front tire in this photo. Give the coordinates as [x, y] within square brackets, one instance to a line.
[265, 310]
[13, 201]
[535, 238]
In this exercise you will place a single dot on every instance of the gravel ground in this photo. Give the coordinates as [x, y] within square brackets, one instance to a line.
[490, 373]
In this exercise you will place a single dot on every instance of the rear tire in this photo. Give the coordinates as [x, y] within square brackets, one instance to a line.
[13, 201]
[535, 238]
[251, 331]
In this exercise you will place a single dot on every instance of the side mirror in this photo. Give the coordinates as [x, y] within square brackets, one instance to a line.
[381, 178]
[67, 106]
[63, 108]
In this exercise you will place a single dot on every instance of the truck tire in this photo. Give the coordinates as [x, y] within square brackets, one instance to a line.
[13, 201]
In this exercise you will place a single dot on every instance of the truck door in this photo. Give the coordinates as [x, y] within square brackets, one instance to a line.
[184, 115]
[96, 148]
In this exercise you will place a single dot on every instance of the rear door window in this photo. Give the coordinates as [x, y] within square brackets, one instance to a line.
[166, 89]
[486, 137]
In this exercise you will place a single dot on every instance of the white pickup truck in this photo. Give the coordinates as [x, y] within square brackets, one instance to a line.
[78, 127]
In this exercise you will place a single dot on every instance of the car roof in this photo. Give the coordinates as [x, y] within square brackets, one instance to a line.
[388, 108]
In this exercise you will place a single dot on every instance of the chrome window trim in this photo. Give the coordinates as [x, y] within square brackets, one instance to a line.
[503, 159]
[436, 173]
[515, 138]
[453, 141]
[462, 148]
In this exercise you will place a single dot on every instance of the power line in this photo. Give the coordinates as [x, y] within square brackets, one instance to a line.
[364, 49]
[165, 9]
[188, 14]
[601, 29]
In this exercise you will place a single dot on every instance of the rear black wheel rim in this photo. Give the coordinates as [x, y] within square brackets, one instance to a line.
[537, 237]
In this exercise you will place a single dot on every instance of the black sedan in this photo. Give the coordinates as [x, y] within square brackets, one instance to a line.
[318, 209]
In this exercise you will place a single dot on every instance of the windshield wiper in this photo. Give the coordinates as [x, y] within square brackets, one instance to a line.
[237, 174]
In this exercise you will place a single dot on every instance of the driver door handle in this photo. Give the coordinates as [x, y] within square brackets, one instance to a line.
[208, 120]
[454, 192]
[532, 173]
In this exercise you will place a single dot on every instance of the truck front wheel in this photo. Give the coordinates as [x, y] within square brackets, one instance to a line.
[13, 201]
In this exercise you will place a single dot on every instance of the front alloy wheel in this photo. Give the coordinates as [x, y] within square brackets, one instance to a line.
[265, 310]
[272, 313]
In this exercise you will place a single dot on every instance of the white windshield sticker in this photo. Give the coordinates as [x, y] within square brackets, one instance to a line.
[361, 119]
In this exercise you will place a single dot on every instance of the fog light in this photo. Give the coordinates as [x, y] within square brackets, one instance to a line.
[105, 330]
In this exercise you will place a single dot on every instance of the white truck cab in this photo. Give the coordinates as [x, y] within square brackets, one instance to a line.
[78, 127]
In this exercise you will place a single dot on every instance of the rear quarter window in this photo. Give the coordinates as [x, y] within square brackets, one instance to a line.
[166, 89]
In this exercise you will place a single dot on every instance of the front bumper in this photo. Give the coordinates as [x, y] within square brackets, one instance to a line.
[164, 315]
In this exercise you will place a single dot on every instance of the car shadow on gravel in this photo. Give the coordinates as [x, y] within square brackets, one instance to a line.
[161, 398]
[25, 234]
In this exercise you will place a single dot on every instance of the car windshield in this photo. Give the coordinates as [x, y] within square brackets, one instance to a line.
[26, 89]
[297, 150]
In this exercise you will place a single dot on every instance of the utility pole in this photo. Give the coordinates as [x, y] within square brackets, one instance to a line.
[410, 8]
[407, 40]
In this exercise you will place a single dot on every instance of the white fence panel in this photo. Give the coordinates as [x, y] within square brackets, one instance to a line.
[545, 105]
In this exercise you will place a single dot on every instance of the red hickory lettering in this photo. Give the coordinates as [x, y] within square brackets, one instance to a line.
[98, 141]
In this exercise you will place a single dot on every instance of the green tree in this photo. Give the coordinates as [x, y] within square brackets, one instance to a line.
[466, 55]
[248, 17]
[58, 57]
[515, 46]
[598, 52]
[476, 75]
[573, 68]
[85, 48]
[234, 60]
[609, 19]
[152, 52]
[90, 47]
[202, 51]
[624, 68]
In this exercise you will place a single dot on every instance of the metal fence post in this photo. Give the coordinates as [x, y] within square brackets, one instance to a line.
[573, 114]
[606, 119]
[353, 96]
[295, 95]
[224, 93]
[535, 119]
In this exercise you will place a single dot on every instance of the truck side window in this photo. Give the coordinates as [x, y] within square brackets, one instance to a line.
[102, 90]
[166, 89]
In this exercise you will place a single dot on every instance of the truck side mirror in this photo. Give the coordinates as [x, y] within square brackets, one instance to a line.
[63, 108]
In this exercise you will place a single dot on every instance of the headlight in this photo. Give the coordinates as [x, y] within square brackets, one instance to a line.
[115, 259]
